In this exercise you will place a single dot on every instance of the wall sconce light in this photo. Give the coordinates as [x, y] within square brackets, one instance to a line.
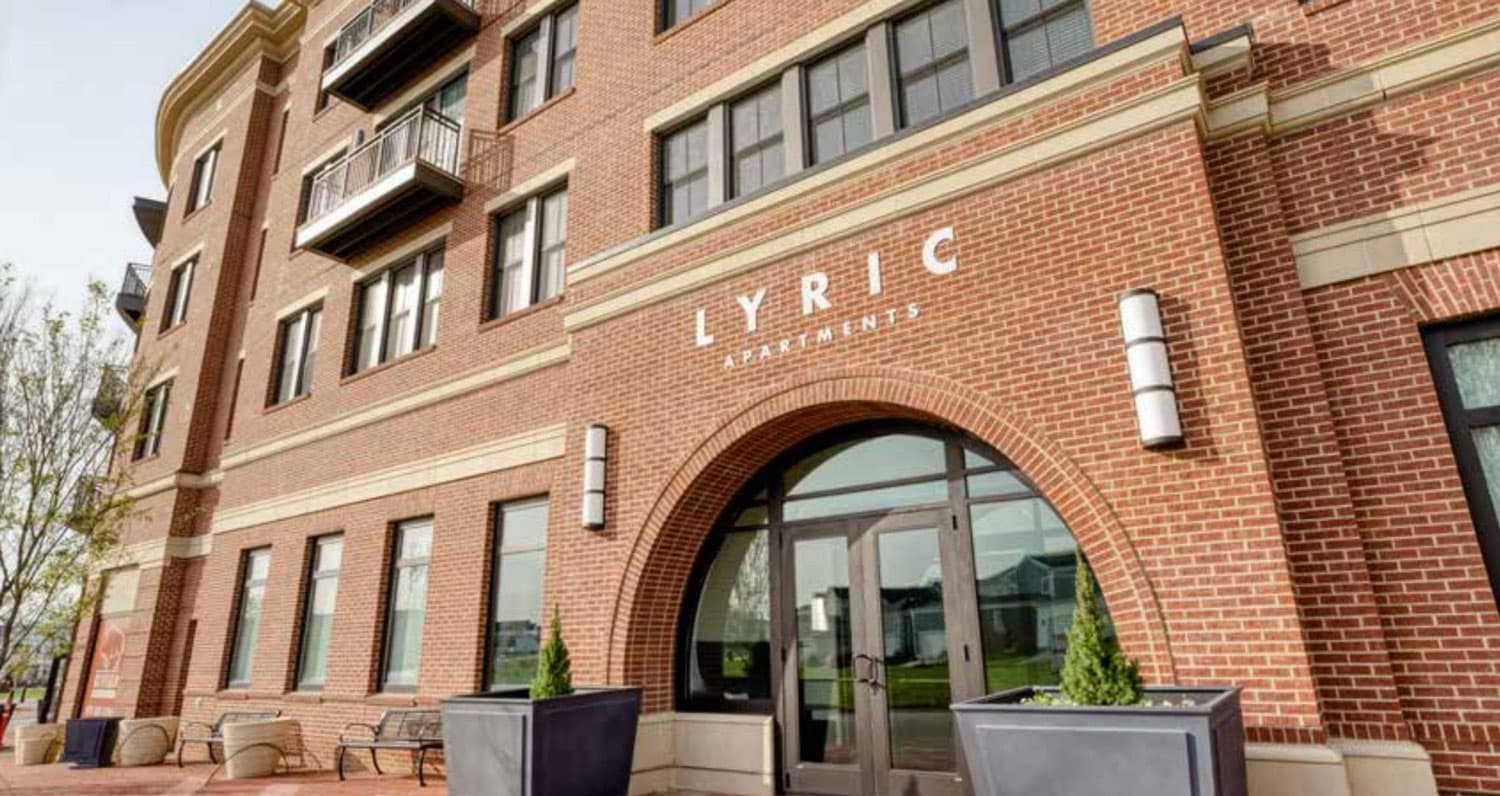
[595, 456]
[1150, 371]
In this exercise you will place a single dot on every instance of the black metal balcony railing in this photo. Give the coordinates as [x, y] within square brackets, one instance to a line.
[130, 302]
[421, 135]
[366, 24]
[88, 501]
[109, 401]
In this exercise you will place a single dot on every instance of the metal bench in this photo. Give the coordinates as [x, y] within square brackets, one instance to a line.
[213, 734]
[414, 731]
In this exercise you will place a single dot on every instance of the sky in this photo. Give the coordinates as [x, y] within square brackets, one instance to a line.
[79, 85]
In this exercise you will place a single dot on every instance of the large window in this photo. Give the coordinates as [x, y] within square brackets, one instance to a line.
[1466, 367]
[254, 568]
[757, 156]
[153, 420]
[1040, 34]
[838, 104]
[516, 614]
[179, 292]
[530, 257]
[542, 62]
[449, 99]
[201, 191]
[932, 62]
[296, 355]
[398, 310]
[406, 612]
[317, 619]
[684, 173]
[678, 11]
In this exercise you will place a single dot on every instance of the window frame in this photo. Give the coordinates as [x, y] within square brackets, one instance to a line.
[497, 554]
[670, 20]
[179, 293]
[1460, 422]
[392, 575]
[308, 344]
[1004, 33]
[810, 120]
[158, 399]
[533, 233]
[201, 195]
[663, 156]
[242, 587]
[312, 576]
[932, 68]
[758, 148]
[423, 261]
[545, 88]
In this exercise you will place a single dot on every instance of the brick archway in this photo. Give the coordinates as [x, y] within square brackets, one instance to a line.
[643, 631]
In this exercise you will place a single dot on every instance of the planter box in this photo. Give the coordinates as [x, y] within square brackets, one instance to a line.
[504, 744]
[1015, 749]
[90, 743]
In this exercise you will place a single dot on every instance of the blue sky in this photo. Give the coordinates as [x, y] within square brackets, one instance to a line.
[79, 83]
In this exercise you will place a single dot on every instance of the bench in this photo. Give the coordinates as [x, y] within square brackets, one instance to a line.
[211, 735]
[414, 731]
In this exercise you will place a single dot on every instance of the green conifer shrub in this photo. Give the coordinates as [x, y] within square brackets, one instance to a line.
[554, 669]
[1095, 671]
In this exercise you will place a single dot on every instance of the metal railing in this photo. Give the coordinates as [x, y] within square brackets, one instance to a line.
[423, 134]
[109, 399]
[363, 27]
[137, 280]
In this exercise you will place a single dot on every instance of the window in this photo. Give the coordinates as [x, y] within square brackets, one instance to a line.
[297, 355]
[1040, 34]
[684, 173]
[542, 62]
[520, 559]
[529, 268]
[838, 100]
[932, 62]
[201, 192]
[397, 311]
[179, 291]
[254, 568]
[449, 100]
[153, 419]
[407, 609]
[757, 155]
[676, 11]
[1466, 368]
[330, 56]
[317, 620]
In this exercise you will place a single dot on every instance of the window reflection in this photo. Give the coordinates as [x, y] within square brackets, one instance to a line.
[731, 647]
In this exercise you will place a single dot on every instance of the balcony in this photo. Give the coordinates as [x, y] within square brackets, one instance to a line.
[150, 216]
[130, 302]
[404, 172]
[88, 504]
[109, 401]
[392, 41]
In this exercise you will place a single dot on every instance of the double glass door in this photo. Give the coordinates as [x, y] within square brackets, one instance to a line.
[877, 645]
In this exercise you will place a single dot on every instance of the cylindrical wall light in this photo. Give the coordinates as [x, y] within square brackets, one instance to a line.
[595, 456]
[1150, 370]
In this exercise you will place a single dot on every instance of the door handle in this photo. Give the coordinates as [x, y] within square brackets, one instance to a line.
[874, 679]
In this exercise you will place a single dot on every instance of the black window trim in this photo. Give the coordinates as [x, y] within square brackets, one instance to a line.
[494, 283]
[178, 296]
[421, 259]
[667, 15]
[242, 583]
[810, 120]
[497, 540]
[394, 537]
[310, 578]
[932, 68]
[194, 201]
[1460, 422]
[731, 175]
[157, 403]
[663, 140]
[1003, 34]
[304, 377]
[544, 26]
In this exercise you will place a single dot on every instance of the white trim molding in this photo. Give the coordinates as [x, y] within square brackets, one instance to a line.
[299, 305]
[531, 185]
[1454, 225]
[1232, 53]
[502, 454]
[157, 552]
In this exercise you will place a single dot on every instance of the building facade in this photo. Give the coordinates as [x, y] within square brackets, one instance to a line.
[781, 355]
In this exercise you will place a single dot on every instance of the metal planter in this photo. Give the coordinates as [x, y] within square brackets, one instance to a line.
[504, 744]
[1016, 749]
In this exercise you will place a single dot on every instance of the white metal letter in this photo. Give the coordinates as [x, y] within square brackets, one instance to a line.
[751, 306]
[814, 285]
[874, 269]
[704, 338]
[930, 259]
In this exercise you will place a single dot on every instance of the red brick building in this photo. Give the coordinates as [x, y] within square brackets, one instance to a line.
[844, 286]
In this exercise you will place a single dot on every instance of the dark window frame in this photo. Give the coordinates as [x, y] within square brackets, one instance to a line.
[495, 278]
[1460, 423]
[668, 14]
[1004, 33]
[733, 151]
[663, 183]
[811, 120]
[201, 196]
[304, 376]
[154, 408]
[497, 553]
[392, 571]
[311, 575]
[545, 29]
[242, 585]
[899, 77]
[423, 262]
[179, 294]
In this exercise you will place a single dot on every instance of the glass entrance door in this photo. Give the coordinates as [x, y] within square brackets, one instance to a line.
[875, 655]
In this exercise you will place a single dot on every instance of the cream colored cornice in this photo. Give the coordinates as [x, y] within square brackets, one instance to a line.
[255, 31]
[181, 480]
[1181, 101]
[502, 454]
[1450, 226]
[532, 185]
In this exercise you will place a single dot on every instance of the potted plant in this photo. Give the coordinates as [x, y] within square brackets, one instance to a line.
[1101, 732]
[551, 741]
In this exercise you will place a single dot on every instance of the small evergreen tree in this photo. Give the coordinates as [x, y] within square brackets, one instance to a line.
[1095, 671]
[554, 669]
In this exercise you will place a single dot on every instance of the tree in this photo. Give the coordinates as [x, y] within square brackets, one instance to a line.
[1095, 671]
[61, 507]
[554, 669]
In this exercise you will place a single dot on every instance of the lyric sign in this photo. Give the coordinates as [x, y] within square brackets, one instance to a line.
[815, 296]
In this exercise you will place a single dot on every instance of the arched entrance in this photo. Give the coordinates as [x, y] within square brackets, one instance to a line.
[862, 582]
